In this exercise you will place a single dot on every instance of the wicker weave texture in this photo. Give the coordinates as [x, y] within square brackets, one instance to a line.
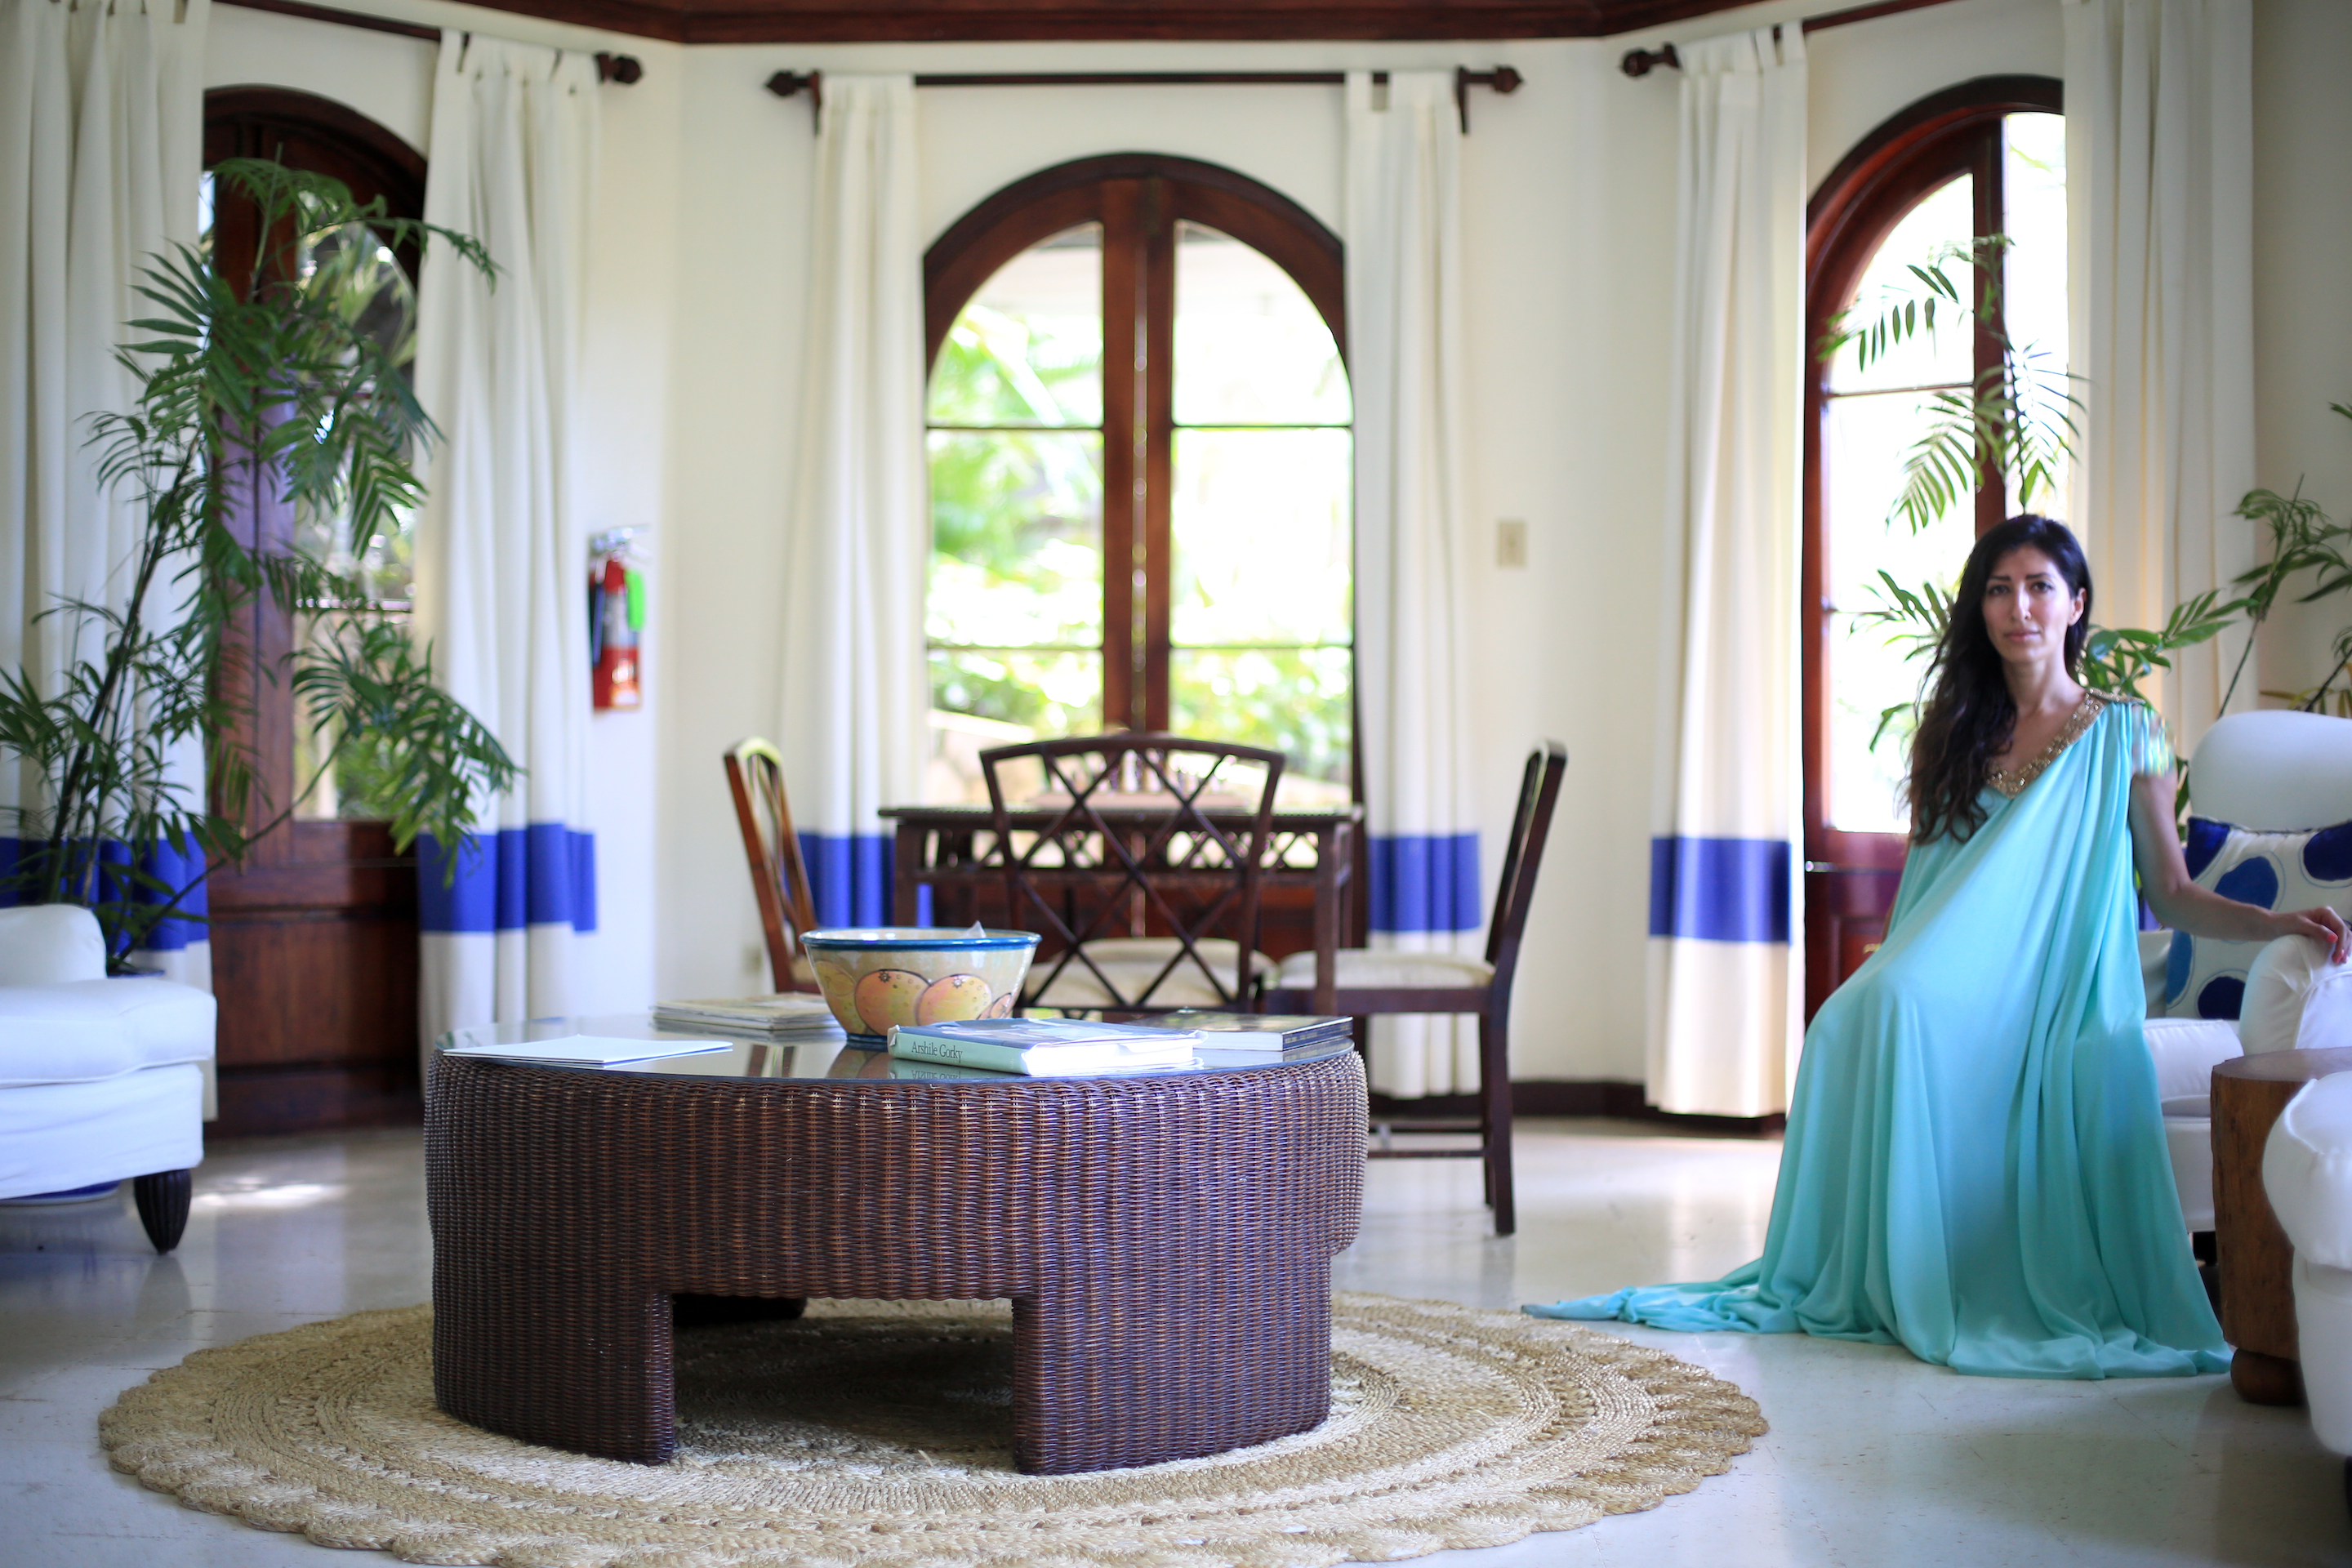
[1166, 1241]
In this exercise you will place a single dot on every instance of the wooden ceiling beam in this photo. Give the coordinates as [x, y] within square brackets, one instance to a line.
[960, 21]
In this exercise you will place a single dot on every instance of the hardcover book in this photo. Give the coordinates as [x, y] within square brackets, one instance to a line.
[1042, 1047]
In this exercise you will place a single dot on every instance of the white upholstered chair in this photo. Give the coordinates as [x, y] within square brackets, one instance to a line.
[2307, 1175]
[2273, 772]
[101, 1080]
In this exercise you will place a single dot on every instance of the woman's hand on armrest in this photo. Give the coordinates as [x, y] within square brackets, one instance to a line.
[2178, 902]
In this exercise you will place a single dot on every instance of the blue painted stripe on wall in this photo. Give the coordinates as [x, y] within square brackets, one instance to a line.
[1720, 889]
[544, 874]
[164, 862]
[849, 878]
[1425, 882]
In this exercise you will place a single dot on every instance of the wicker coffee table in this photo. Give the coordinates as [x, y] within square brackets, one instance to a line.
[1166, 1240]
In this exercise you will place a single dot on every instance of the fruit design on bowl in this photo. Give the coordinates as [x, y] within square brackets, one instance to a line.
[887, 996]
[953, 996]
[874, 978]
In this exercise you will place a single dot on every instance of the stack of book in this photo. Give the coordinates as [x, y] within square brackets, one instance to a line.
[1044, 1047]
[1251, 1039]
[787, 1016]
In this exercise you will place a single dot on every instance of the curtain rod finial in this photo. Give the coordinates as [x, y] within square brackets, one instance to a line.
[625, 69]
[1641, 62]
[790, 84]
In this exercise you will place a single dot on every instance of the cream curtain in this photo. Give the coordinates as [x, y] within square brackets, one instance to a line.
[1412, 687]
[501, 557]
[102, 133]
[856, 694]
[2159, 162]
[1725, 971]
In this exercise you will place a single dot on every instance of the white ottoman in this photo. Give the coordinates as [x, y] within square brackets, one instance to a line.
[2307, 1173]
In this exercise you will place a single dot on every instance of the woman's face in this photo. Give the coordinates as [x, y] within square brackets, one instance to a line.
[2027, 608]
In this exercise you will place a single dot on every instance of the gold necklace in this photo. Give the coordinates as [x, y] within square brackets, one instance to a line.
[2011, 782]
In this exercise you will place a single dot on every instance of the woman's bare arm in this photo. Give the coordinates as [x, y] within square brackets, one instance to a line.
[2182, 904]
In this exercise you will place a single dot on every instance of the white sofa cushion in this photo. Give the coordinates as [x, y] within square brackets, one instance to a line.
[2186, 1051]
[2296, 999]
[55, 1137]
[2307, 1170]
[2323, 1315]
[2307, 1173]
[1374, 969]
[45, 944]
[89, 1030]
[2275, 770]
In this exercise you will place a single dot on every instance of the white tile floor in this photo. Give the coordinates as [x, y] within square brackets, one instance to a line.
[1873, 1459]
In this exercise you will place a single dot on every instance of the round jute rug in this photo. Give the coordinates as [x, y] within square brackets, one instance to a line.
[878, 1434]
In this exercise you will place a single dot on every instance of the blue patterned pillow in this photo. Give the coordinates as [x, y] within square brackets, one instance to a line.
[2207, 979]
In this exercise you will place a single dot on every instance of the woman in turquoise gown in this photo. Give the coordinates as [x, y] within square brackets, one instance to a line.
[1974, 1164]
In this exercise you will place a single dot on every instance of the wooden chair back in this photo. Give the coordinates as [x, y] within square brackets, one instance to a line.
[755, 776]
[1144, 841]
[1530, 827]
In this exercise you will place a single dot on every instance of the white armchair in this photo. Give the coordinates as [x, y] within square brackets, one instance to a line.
[2274, 772]
[2307, 1174]
[101, 1080]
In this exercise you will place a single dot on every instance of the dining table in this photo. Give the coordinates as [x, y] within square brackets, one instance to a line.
[950, 851]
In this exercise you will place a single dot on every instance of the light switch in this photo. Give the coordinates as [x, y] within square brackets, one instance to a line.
[1511, 543]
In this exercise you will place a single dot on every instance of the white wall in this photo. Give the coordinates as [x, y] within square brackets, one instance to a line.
[2303, 306]
[1569, 213]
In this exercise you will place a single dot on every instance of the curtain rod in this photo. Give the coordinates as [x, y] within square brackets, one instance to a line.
[622, 70]
[1641, 62]
[1502, 78]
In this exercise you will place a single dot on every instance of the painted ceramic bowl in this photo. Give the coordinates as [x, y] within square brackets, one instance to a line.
[876, 976]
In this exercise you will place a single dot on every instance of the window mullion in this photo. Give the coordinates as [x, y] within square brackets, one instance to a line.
[1122, 280]
[1155, 560]
[1992, 492]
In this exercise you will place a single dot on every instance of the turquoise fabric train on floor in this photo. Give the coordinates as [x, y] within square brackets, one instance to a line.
[1974, 1165]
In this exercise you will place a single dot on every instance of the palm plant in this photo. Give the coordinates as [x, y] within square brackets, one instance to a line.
[2015, 419]
[274, 380]
[2303, 540]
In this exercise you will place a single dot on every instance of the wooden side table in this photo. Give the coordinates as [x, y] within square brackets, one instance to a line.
[2254, 1258]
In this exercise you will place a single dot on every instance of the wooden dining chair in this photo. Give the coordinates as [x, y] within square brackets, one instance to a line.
[755, 776]
[1371, 981]
[1142, 882]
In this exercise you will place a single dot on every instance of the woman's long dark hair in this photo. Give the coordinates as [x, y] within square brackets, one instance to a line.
[1969, 715]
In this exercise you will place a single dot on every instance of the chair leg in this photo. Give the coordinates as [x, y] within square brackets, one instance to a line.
[1495, 1116]
[163, 1200]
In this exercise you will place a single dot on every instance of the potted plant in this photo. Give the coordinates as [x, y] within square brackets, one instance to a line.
[279, 378]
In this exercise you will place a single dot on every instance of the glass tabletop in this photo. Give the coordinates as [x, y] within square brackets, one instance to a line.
[827, 1056]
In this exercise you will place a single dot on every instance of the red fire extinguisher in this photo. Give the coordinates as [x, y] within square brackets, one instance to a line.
[616, 614]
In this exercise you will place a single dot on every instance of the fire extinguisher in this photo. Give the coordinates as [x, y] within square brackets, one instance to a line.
[616, 614]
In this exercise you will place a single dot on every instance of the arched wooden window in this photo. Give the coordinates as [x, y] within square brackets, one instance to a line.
[314, 939]
[1141, 468]
[1983, 158]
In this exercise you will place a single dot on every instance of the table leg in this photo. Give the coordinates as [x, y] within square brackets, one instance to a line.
[2254, 1260]
[1104, 1378]
[565, 1363]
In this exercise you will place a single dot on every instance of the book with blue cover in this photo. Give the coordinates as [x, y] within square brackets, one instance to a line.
[1042, 1047]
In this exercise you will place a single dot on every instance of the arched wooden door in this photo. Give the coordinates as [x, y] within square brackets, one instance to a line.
[1985, 157]
[314, 939]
